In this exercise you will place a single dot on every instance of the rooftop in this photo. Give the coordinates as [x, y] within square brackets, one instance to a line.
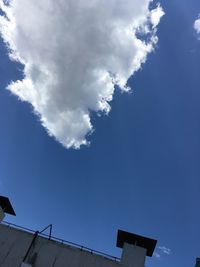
[62, 241]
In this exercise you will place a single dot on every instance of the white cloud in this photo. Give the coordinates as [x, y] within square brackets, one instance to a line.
[165, 250]
[156, 255]
[160, 251]
[74, 53]
[197, 25]
[156, 14]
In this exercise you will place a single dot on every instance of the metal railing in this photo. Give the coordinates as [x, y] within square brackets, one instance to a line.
[62, 241]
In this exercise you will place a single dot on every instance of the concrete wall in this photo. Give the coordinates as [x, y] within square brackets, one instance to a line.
[133, 255]
[14, 244]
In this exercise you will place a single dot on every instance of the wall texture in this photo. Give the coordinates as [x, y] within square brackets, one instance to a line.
[14, 244]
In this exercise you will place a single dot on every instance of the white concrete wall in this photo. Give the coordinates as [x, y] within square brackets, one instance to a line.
[14, 244]
[133, 256]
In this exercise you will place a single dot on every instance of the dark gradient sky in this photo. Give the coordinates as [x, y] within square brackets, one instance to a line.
[141, 171]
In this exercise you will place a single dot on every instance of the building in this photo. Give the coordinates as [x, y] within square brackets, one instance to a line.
[197, 262]
[26, 248]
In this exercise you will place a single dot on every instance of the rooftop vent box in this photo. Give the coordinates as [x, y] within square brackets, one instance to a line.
[137, 240]
[5, 207]
[2, 214]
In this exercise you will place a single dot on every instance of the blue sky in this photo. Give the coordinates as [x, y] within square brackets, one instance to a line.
[141, 171]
